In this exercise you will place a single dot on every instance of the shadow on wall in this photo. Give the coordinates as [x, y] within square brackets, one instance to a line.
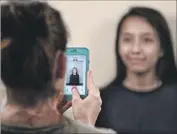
[102, 49]
[172, 24]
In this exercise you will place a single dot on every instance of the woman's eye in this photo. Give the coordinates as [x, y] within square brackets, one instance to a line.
[148, 40]
[127, 40]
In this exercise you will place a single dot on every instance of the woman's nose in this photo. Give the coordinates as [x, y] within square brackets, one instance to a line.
[136, 47]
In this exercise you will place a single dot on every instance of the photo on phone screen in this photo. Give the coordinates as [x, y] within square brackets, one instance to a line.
[75, 74]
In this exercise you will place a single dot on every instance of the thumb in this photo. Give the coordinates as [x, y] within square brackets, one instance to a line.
[90, 82]
[75, 93]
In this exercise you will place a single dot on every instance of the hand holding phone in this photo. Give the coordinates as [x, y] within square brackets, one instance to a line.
[77, 64]
[88, 109]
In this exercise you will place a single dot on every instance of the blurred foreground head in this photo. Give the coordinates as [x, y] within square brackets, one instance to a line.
[33, 39]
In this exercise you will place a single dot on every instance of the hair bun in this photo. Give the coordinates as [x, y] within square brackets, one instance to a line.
[24, 20]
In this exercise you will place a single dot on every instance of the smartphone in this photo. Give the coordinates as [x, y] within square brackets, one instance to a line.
[77, 65]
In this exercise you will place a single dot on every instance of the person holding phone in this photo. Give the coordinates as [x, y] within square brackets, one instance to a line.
[74, 77]
[33, 43]
[143, 97]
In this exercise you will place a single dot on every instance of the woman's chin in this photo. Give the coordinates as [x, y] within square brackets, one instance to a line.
[138, 70]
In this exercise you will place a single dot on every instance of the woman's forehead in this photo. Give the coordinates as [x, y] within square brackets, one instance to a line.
[137, 25]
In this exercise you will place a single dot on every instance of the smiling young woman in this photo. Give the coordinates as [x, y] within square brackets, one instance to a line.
[143, 97]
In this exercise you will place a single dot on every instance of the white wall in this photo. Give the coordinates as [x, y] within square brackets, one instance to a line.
[92, 24]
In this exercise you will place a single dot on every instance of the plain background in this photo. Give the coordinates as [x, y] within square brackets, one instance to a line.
[92, 24]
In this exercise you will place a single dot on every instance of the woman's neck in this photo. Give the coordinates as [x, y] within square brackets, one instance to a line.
[42, 115]
[142, 82]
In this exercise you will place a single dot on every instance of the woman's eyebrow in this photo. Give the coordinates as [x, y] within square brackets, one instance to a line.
[126, 34]
[147, 34]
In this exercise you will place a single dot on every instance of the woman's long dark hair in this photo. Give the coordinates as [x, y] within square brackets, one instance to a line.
[166, 69]
[76, 71]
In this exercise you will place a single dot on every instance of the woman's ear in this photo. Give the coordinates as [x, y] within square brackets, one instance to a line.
[59, 70]
[57, 100]
[5, 43]
[59, 65]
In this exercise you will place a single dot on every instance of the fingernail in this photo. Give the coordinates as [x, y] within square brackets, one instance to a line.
[73, 89]
[90, 71]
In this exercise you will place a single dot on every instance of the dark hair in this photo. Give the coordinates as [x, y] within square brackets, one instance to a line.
[37, 32]
[166, 69]
[76, 70]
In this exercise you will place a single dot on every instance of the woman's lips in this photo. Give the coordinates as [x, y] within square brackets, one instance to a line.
[136, 61]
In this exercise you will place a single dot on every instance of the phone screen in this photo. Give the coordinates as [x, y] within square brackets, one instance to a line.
[75, 74]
